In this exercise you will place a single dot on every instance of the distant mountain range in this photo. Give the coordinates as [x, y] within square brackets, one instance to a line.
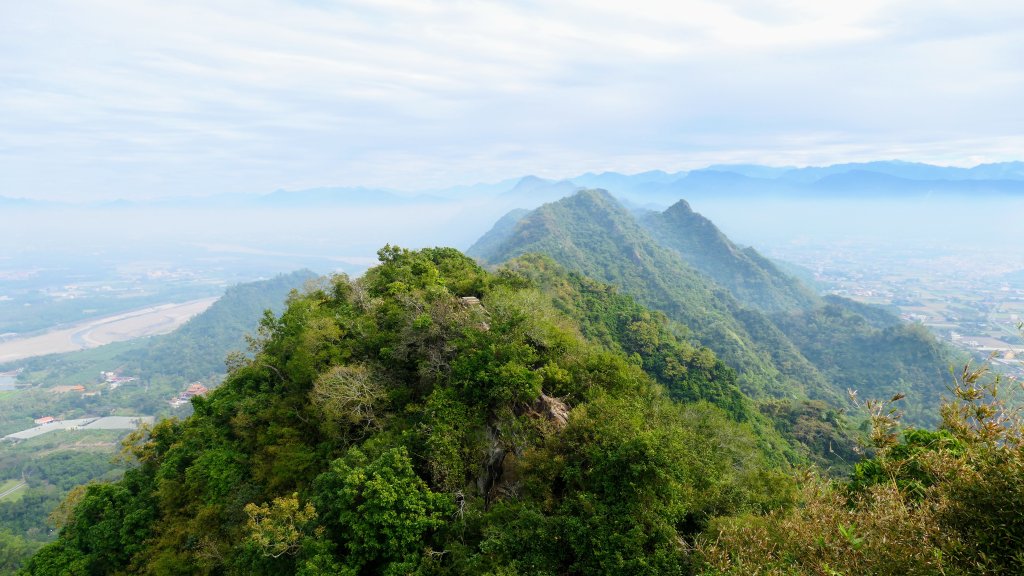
[871, 179]
[855, 180]
[653, 188]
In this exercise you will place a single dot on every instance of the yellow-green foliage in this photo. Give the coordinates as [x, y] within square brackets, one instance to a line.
[827, 534]
[275, 529]
[945, 502]
[348, 395]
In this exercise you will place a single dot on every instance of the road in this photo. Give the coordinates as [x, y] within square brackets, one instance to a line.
[104, 423]
[13, 489]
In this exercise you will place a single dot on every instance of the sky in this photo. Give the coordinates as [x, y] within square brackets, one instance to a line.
[103, 99]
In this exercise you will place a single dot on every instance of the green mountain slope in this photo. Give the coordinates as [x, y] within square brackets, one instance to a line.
[500, 232]
[748, 276]
[782, 339]
[592, 234]
[877, 362]
[434, 418]
[619, 323]
[856, 346]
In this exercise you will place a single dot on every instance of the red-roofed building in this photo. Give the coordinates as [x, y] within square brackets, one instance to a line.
[44, 420]
[194, 389]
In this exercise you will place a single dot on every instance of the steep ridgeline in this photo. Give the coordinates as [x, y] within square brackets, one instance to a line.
[433, 418]
[592, 234]
[856, 346]
[782, 339]
[750, 277]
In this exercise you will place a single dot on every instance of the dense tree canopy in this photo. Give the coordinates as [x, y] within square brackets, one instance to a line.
[432, 417]
[436, 418]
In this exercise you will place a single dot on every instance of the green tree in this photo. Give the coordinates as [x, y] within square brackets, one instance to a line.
[381, 511]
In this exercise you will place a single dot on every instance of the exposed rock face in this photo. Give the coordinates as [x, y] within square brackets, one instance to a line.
[486, 483]
[473, 303]
[553, 410]
[500, 477]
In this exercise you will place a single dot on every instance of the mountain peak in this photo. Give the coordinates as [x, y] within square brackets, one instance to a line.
[531, 182]
[533, 190]
[680, 208]
[599, 195]
[750, 277]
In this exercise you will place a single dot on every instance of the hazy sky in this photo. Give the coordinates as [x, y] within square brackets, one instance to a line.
[143, 98]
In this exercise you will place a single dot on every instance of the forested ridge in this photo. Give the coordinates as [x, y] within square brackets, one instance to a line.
[432, 417]
[783, 340]
[749, 277]
[395, 425]
[592, 234]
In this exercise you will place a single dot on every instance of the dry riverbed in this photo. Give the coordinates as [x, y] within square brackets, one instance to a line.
[92, 333]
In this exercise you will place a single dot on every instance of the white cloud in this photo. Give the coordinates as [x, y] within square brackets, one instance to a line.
[107, 98]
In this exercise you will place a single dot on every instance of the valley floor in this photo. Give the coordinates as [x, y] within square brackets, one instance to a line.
[149, 321]
[105, 423]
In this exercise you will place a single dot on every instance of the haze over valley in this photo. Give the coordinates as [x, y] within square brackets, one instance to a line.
[882, 232]
[335, 287]
[113, 313]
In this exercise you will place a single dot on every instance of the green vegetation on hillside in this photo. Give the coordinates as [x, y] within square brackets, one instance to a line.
[878, 362]
[398, 425]
[49, 466]
[434, 418]
[749, 277]
[592, 234]
[929, 503]
[784, 342]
